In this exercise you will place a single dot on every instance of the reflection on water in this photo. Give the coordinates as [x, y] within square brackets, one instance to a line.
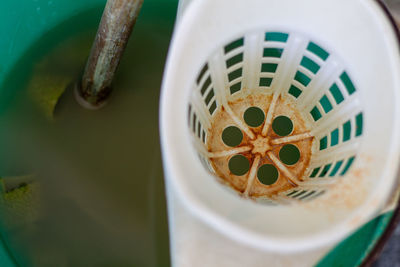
[101, 199]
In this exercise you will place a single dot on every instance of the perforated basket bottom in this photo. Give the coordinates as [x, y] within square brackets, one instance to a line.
[269, 159]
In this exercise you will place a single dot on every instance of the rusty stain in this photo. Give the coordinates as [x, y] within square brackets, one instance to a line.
[367, 158]
[346, 195]
[356, 221]
[260, 145]
[359, 172]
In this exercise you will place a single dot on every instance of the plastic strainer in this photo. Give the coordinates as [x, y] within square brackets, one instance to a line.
[275, 120]
[290, 105]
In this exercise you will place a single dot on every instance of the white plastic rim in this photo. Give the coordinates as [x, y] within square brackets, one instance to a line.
[357, 30]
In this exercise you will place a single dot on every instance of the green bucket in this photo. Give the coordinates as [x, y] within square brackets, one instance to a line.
[30, 31]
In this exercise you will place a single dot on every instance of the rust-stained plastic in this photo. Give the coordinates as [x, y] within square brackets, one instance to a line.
[260, 148]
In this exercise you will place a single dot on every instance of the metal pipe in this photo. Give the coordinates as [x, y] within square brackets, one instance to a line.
[116, 25]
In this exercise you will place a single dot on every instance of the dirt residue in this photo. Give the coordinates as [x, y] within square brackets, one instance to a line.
[256, 189]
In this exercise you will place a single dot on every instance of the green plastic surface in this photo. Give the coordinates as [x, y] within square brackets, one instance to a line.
[79, 17]
[353, 250]
[24, 22]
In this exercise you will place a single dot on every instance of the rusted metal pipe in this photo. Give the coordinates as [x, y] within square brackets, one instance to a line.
[116, 25]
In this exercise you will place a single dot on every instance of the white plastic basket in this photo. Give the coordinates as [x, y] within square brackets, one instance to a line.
[331, 67]
[282, 76]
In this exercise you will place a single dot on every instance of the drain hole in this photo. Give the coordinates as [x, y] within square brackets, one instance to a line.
[267, 174]
[232, 136]
[239, 165]
[289, 154]
[254, 116]
[282, 126]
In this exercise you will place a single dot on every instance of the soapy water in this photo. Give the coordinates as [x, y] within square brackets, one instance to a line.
[101, 195]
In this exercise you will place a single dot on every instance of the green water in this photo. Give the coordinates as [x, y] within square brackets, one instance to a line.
[102, 199]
